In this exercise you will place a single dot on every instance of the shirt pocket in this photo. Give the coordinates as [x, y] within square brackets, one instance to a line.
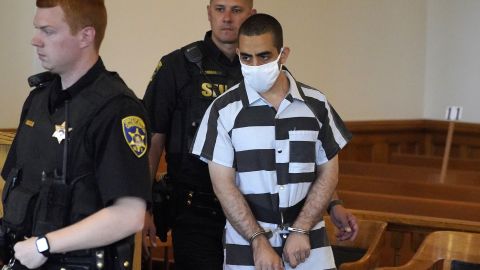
[302, 154]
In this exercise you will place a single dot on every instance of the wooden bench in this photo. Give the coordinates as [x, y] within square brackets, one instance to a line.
[389, 186]
[444, 247]
[415, 223]
[371, 237]
[406, 232]
[375, 141]
[411, 205]
[434, 162]
[408, 173]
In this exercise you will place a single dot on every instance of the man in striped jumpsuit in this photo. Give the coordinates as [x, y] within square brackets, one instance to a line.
[271, 144]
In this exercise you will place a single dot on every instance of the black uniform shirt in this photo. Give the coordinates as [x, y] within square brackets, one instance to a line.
[118, 170]
[171, 76]
[178, 85]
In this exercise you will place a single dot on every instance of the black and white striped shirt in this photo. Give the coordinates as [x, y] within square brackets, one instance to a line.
[275, 154]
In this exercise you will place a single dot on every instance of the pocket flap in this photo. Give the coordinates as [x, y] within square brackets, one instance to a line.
[17, 206]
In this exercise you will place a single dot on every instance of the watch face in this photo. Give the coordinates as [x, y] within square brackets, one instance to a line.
[42, 244]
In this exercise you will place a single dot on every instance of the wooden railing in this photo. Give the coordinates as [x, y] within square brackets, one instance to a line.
[375, 141]
[390, 171]
[6, 138]
[434, 162]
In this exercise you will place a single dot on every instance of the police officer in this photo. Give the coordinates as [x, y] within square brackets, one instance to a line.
[186, 81]
[183, 85]
[78, 165]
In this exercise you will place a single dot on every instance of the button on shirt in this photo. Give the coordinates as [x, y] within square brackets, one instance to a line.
[275, 154]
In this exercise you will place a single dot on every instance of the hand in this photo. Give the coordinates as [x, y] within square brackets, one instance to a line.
[149, 230]
[296, 249]
[345, 222]
[264, 256]
[27, 254]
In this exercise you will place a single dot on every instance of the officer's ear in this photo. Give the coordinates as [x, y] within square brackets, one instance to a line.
[87, 36]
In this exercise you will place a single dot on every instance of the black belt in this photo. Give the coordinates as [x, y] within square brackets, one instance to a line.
[281, 217]
[56, 262]
[198, 198]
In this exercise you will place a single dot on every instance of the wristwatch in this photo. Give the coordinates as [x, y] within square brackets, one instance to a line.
[43, 246]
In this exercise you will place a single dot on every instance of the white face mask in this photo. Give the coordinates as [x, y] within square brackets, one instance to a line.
[261, 78]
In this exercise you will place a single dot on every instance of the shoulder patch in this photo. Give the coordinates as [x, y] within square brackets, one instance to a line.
[135, 134]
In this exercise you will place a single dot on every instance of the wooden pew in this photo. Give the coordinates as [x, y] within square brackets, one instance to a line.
[371, 237]
[406, 232]
[411, 205]
[434, 162]
[415, 223]
[408, 173]
[426, 190]
[375, 141]
[442, 248]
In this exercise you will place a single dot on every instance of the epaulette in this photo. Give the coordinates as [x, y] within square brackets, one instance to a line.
[41, 79]
[194, 53]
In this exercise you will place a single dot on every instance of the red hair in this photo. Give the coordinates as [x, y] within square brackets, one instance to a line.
[80, 14]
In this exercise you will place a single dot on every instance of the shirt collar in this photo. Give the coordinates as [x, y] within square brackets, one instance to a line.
[58, 96]
[215, 52]
[253, 96]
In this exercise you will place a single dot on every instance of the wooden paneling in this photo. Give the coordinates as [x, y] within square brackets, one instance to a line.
[434, 162]
[410, 197]
[375, 141]
[6, 138]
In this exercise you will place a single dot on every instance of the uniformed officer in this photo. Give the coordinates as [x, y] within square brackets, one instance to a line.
[183, 85]
[77, 177]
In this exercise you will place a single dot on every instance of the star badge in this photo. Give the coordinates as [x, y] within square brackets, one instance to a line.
[60, 132]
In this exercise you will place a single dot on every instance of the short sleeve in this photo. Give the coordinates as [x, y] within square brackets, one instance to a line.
[213, 141]
[160, 98]
[120, 139]
[333, 134]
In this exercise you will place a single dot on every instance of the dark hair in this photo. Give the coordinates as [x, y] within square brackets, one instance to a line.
[259, 24]
[80, 14]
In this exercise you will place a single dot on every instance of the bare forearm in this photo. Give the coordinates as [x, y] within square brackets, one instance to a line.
[102, 228]
[320, 194]
[238, 213]
[233, 202]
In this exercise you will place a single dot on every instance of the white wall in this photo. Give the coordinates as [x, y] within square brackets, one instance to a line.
[453, 58]
[16, 56]
[139, 34]
[367, 56]
[370, 57]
